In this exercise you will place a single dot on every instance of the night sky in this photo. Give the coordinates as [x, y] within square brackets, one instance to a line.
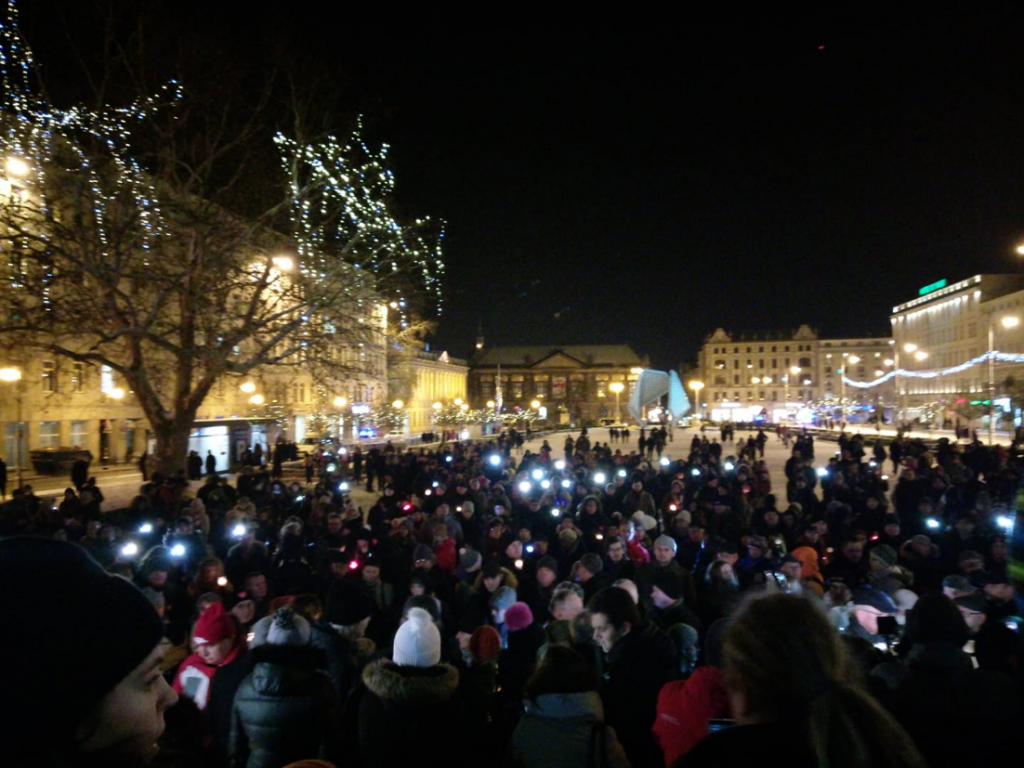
[618, 181]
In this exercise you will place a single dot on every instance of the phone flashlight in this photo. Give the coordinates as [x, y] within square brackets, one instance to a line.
[131, 549]
[178, 550]
[600, 478]
[146, 528]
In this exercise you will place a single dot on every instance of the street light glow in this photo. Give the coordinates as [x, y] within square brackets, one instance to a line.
[1012, 321]
[256, 399]
[340, 402]
[10, 375]
[284, 263]
[16, 166]
[398, 405]
[116, 393]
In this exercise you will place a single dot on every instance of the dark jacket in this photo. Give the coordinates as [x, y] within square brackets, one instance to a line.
[283, 710]
[639, 664]
[564, 729]
[404, 711]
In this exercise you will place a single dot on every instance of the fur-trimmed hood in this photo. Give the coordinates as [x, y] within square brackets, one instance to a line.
[411, 686]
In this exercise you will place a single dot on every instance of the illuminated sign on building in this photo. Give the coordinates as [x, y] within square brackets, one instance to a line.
[931, 288]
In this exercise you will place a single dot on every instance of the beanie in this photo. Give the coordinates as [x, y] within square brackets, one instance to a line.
[213, 626]
[874, 598]
[503, 598]
[518, 616]
[470, 560]
[72, 633]
[288, 628]
[417, 642]
[548, 562]
[485, 643]
[422, 552]
[666, 541]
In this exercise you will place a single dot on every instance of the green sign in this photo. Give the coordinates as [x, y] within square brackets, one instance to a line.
[931, 288]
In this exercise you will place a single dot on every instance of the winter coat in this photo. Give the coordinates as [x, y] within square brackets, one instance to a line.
[639, 664]
[403, 711]
[564, 729]
[684, 708]
[283, 710]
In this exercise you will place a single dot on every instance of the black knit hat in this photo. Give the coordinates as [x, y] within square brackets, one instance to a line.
[72, 632]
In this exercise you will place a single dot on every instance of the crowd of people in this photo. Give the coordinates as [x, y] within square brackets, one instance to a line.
[595, 605]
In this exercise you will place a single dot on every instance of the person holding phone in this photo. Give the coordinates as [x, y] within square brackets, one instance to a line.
[795, 690]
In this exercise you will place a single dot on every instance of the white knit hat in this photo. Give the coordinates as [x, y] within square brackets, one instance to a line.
[417, 642]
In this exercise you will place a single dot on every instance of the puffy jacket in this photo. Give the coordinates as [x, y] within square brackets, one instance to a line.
[562, 729]
[283, 709]
[684, 708]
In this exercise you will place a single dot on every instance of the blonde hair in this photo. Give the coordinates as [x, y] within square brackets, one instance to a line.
[785, 659]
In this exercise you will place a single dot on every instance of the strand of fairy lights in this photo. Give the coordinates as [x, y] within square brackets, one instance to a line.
[996, 356]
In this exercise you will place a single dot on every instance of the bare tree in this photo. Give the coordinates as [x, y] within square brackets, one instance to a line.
[123, 253]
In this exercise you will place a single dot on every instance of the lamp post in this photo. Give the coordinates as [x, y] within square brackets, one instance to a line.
[13, 376]
[696, 386]
[617, 387]
[1008, 322]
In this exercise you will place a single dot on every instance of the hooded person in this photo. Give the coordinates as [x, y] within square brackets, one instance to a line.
[563, 720]
[83, 684]
[415, 692]
[283, 710]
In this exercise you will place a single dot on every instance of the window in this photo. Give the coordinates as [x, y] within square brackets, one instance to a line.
[760, 349]
[77, 377]
[106, 379]
[49, 376]
[735, 378]
[775, 363]
[735, 364]
[49, 434]
[540, 384]
[517, 388]
[79, 434]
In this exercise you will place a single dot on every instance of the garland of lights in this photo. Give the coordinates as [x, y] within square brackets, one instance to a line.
[999, 357]
[338, 191]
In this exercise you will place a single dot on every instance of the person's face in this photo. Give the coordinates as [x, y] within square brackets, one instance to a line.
[371, 575]
[524, 535]
[130, 719]
[214, 653]
[257, 587]
[877, 565]
[999, 550]
[663, 554]
[792, 571]
[211, 573]
[853, 551]
[973, 619]
[696, 534]
[498, 614]
[491, 583]
[637, 487]
[545, 577]
[615, 552]
[606, 634]
[892, 530]
[771, 518]
[727, 573]
[570, 607]
[1002, 593]
[334, 524]
[157, 579]
[754, 552]
[590, 507]
[416, 589]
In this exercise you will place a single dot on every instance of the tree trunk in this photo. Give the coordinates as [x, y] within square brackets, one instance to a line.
[172, 443]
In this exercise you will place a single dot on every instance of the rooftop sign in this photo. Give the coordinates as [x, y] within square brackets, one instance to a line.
[931, 288]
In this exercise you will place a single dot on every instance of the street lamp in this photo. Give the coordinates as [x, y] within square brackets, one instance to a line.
[256, 399]
[617, 387]
[16, 166]
[1008, 322]
[13, 376]
[248, 387]
[696, 386]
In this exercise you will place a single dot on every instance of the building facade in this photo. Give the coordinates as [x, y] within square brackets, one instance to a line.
[777, 376]
[947, 326]
[425, 378]
[570, 383]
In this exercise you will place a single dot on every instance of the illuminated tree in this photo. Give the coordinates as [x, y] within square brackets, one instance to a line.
[119, 252]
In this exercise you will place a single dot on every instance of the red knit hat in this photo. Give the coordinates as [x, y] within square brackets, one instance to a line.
[518, 616]
[485, 643]
[213, 626]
